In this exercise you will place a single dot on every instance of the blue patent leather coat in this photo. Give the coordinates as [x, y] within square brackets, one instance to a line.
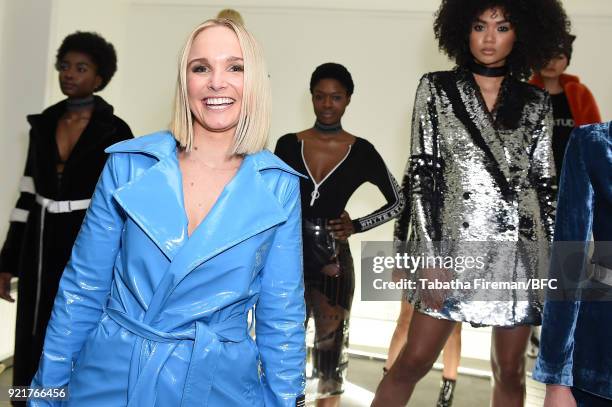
[576, 341]
[147, 316]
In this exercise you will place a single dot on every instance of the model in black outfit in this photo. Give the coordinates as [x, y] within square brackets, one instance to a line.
[65, 158]
[336, 163]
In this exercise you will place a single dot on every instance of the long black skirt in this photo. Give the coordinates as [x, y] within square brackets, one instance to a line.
[329, 279]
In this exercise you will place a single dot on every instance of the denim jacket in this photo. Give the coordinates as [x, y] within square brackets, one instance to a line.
[576, 341]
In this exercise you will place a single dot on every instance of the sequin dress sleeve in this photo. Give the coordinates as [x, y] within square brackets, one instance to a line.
[422, 177]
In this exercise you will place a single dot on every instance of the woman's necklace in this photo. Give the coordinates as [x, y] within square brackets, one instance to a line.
[328, 128]
[212, 166]
[482, 70]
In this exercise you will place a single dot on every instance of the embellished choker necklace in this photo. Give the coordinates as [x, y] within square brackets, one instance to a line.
[80, 104]
[482, 70]
[328, 128]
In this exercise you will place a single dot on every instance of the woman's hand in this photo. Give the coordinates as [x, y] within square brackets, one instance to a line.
[5, 286]
[342, 227]
[559, 396]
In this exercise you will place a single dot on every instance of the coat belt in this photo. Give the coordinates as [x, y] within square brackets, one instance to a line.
[62, 206]
[51, 206]
[205, 355]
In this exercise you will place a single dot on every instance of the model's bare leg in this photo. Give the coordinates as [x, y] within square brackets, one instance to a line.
[333, 401]
[508, 347]
[426, 337]
[400, 335]
[451, 355]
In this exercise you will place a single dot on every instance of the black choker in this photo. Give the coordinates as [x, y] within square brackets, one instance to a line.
[482, 70]
[327, 128]
[80, 103]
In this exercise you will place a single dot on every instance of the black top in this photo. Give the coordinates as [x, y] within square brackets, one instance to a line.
[564, 124]
[361, 164]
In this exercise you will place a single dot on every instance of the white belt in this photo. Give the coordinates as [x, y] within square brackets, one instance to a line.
[602, 274]
[51, 206]
[62, 206]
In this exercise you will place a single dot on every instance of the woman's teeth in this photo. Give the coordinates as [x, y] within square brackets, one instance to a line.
[218, 103]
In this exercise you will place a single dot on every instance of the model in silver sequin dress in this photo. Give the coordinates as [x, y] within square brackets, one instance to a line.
[480, 176]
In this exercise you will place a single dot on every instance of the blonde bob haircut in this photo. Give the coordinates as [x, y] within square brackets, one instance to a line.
[254, 121]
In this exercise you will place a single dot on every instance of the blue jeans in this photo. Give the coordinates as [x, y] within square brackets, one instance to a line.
[584, 399]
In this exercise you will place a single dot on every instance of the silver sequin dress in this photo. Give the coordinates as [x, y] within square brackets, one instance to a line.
[480, 176]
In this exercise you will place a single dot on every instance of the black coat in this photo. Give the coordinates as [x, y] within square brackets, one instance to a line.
[21, 252]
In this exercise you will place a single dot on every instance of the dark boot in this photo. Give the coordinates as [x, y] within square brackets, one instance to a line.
[447, 390]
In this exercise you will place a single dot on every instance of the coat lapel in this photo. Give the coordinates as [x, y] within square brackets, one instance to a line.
[462, 89]
[96, 134]
[245, 208]
[154, 200]
[487, 136]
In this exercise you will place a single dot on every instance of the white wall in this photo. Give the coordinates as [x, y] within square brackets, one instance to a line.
[24, 57]
[387, 45]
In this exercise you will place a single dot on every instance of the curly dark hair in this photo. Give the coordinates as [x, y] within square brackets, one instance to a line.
[541, 26]
[99, 50]
[567, 48]
[331, 70]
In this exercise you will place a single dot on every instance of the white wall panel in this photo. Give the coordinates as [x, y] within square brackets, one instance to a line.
[22, 89]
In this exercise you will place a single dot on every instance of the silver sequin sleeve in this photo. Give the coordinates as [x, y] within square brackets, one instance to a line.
[418, 183]
[543, 167]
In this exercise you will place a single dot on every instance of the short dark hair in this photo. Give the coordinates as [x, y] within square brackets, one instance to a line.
[331, 70]
[540, 26]
[101, 52]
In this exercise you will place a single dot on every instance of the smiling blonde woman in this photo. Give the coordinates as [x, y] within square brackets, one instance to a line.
[152, 307]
